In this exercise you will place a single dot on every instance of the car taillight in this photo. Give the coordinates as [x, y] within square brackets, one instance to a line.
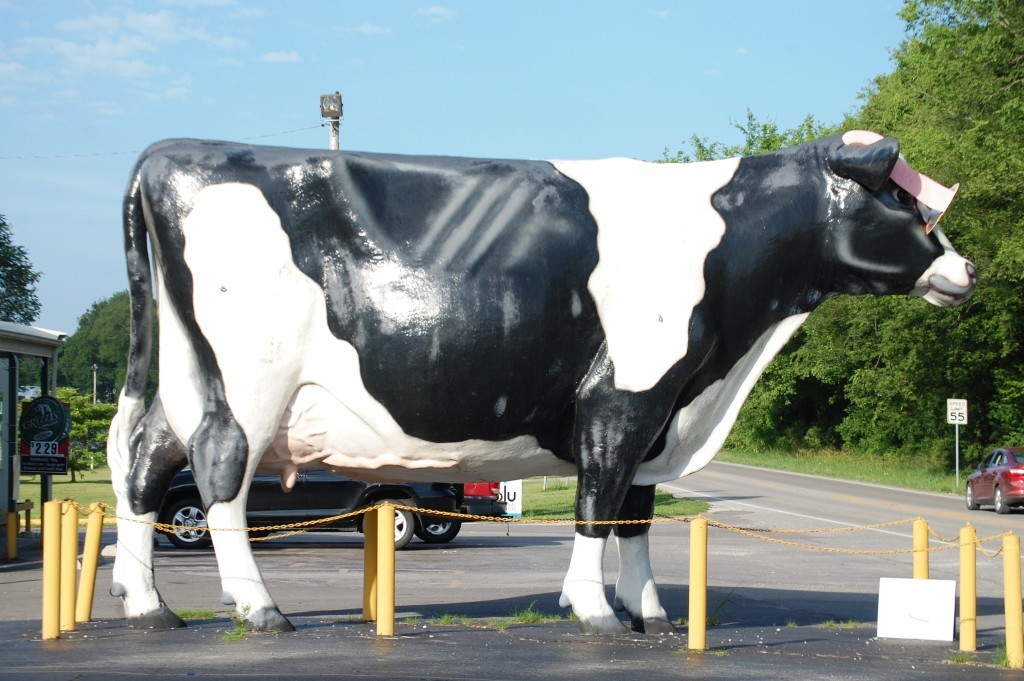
[1016, 471]
[496, 487]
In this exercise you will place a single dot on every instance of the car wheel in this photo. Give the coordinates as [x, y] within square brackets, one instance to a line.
[405, 527]
[972, 505]
[1000, 503]
[192, 533]
[438, 530]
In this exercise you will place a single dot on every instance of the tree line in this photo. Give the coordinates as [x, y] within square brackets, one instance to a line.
[866, 374]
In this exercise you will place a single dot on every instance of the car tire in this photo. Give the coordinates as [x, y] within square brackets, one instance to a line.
[190, 514]
[438, 530]
[972, 505]
[405, 527]
[1000, 503]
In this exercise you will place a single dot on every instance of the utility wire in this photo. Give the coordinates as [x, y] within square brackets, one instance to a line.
[100, 154]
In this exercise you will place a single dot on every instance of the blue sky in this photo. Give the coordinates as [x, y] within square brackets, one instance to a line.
[85, 86]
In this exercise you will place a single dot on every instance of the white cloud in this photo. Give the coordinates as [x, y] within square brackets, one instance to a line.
[107, 108]
[281, 57]
[713, 72]
[437, 13]
[366, 28]
[230, 61]
[742, 51]
[662, 13]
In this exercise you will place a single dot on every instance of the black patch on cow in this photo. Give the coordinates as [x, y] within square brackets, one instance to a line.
[462, 284]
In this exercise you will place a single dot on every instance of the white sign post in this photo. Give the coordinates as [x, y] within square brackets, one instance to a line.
[956, 414]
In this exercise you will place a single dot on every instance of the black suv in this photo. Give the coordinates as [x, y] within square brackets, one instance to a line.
[316, 495]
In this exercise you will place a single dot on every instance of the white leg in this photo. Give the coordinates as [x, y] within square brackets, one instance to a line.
[583, 588]
[635, 591]
[240, 578]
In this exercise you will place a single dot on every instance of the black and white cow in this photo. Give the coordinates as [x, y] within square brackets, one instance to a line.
[430, 318]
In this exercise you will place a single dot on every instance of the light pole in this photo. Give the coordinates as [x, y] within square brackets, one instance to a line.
[94, 384]
[331, 107]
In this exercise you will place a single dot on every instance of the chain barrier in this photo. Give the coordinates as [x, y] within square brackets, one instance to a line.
[762, 534]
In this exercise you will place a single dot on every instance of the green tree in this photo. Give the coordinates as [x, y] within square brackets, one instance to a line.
[873, 374]
[758, 137]
[101, 340]
[90, 424]
[18, 300]
[956, 102]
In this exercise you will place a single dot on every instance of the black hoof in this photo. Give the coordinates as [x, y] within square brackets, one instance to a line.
[269, 619]
[656, 627]
[161, 618]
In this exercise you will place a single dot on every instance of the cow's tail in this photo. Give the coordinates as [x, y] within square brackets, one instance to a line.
[131, 406]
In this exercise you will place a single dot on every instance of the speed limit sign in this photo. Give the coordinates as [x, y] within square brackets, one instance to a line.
[956, 412]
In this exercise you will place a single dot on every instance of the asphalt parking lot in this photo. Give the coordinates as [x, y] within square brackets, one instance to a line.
[453, 605]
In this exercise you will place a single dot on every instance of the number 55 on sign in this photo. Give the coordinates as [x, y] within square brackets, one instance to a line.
[956, 412]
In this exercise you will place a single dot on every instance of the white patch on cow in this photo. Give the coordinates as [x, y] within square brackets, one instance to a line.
[294, 387]
[583, 588]
[655, 227]
[635, 589]
[577, 304]
[699, 429]
[499, 406]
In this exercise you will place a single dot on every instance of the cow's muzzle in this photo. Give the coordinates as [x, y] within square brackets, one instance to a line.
[940, 289]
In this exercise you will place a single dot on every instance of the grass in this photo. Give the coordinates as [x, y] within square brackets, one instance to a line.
[557, 501]
[961, 657]
[851, 466]
[240, 628]
[529, 615]
[844, 624]
[91, 486]
[196, 615]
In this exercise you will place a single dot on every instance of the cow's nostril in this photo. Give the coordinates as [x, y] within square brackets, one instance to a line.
[972, 271]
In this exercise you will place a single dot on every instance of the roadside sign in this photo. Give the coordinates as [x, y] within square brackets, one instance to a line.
[956, 412]
[512, 494]
[44, 428]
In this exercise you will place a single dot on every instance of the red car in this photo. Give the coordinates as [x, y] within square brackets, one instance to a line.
[999, 480]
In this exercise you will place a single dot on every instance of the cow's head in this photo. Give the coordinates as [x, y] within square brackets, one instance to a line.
[886, 239]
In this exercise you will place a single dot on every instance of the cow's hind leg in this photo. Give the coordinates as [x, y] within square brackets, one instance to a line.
[635, 592]
[141, 471]
[219, 458]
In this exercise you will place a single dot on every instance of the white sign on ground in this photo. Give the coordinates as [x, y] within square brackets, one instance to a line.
[920, 609]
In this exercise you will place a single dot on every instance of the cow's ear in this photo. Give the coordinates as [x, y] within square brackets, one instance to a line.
[868, 164]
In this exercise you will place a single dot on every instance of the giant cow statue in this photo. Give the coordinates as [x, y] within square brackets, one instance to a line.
[453, 319]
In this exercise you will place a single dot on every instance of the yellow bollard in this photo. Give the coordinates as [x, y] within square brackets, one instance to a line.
[51, 569]
[968, 590]
[68, 564]
[370, 550]
[920, 549]
[697, 617]
[1012, 601]
[90, 563]
[386, 570]
[12, 535]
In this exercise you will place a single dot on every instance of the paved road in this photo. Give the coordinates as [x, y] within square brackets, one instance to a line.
[769, 603]
[754, 497]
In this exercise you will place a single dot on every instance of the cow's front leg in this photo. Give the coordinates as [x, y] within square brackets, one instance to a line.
[635, 592]
[613, 430]
[583, 588]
